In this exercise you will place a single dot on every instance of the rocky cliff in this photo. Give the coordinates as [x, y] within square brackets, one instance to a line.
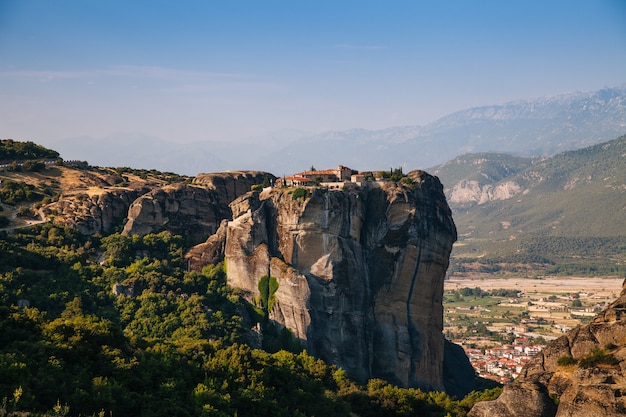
[471, 191]
[182, 209]
[581, 374]
[193, 210]
[91, 199]
[231, 184]
[95, 213]
[359, 272]
[96, 200]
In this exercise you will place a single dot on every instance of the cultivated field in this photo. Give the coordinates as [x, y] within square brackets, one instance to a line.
[532, 307]
[600, 286]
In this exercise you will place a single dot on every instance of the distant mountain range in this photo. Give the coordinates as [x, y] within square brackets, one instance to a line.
[539, 127]
[569, 208]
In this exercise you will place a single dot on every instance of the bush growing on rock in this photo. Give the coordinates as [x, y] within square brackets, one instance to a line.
[598, 357]
[566, 360]
[299, 193]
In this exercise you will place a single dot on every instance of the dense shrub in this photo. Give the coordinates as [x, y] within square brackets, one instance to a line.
[566, 360]
[598, 357]
[34, 166]
[12, 192]
[15, 150]
[299, 193]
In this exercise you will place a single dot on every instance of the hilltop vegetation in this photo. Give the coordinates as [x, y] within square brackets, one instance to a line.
[168, 342]
[11, 150]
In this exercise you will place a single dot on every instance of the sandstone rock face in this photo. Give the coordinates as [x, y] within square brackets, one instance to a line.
[526, 399]
[230, 185]
[192, 210]
[545, 388]
[182, 209]
[92, 214]
[93, 204]
[210, 252]
[360, 273]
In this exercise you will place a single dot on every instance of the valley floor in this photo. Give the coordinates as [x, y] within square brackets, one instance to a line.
[501, 322]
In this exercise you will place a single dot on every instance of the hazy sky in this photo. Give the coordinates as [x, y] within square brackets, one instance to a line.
[226, 70]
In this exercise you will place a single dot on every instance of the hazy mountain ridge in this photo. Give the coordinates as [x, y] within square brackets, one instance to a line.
[542, 126]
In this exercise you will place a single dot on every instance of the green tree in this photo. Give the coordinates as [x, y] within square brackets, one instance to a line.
[117, 249]
[299, 193]
[267, 290]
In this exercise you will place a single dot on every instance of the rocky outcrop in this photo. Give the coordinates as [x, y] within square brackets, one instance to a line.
[210, 252]
[471, 191]
[183, 209]
[231, 184]
[94, 201]
[192, 210]
[359, 271]
[97, 213]
[581, 374]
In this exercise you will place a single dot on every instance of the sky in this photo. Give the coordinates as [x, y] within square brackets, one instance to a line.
[236, 70]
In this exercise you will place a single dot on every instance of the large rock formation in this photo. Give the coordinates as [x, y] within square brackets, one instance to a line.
[94, 201]
[181, 209]
[95, 213]
[192, 210]
[231, 184]
[471, 191]
[581, 374]
[359, 271]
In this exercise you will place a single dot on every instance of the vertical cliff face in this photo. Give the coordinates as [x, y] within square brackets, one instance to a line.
[409, 238]
[360, 272]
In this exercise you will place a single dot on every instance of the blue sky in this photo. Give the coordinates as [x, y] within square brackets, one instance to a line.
[232, 70]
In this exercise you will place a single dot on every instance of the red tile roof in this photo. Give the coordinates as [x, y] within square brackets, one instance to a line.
[319, 172]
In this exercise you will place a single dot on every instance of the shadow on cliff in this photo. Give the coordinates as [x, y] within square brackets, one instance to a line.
[459, 376]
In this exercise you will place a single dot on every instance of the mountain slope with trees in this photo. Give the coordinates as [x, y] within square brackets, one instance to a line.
[567, 212]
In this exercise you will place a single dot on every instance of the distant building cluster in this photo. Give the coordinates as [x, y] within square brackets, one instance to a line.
[333, 178]
[502, 363]
[314, 177]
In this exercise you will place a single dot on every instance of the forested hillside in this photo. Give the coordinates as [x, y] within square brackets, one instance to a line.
[116, 325]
